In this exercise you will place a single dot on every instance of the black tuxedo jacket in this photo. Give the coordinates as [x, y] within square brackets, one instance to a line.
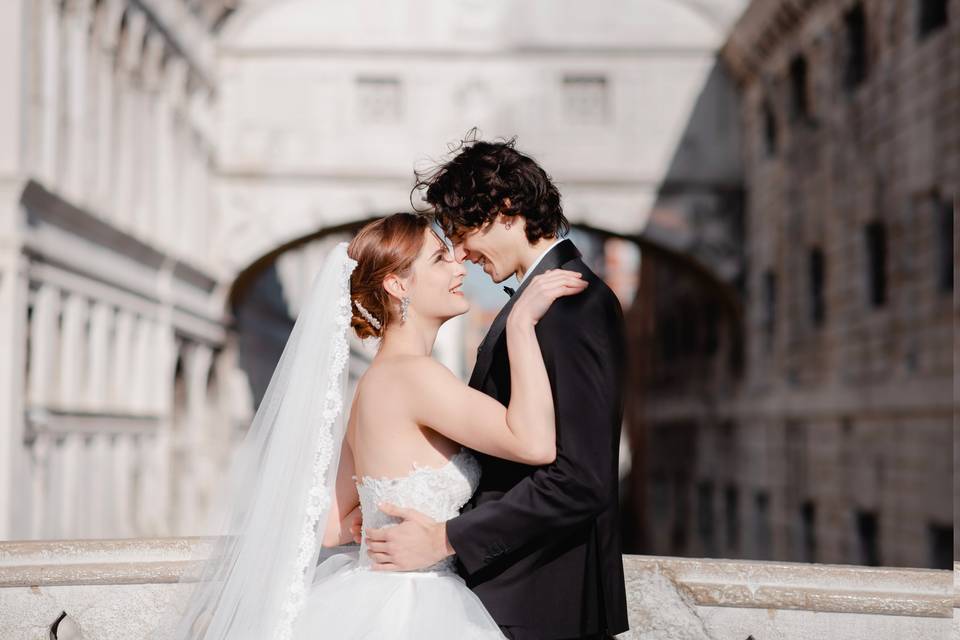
[540, 545]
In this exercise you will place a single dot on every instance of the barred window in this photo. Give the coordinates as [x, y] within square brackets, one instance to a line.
[585, 99]
[855, 69]
[817, 282]
[379, 99]
[931, 16]
[868, 538]
[799, 93]
[875, 236]
[769, 129]
[945, 253]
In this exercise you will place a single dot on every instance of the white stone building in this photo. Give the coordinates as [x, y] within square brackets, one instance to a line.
[156, 156]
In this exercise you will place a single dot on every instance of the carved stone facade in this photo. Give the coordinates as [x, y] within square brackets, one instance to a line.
[158, 155]
[114, 386]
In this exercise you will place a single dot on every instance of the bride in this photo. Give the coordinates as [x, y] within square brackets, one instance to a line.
[306, 473]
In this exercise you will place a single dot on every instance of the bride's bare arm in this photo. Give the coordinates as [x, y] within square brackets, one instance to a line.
[525, 431]
[344, 507]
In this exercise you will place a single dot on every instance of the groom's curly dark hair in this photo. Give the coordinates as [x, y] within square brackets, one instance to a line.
[468, 191]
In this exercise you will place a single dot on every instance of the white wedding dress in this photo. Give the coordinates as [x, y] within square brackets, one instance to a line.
[349, 600]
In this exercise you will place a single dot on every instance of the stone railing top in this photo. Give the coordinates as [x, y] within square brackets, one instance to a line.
[707, 582]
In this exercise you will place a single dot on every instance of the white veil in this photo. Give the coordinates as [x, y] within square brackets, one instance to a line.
[253, 584]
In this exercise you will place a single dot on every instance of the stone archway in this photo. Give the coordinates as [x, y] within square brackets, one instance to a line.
[325, 114]
[325, 121]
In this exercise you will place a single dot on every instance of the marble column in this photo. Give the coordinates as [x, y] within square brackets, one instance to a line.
[50, 94]
[170, 157]
[146, 218]
[76, 29]
[127, 87]
[104, 55]
[13, 341]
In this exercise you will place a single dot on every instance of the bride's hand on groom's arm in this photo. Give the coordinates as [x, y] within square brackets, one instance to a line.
[415, 543]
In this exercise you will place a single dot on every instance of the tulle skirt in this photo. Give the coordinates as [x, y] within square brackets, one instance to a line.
[347, 601]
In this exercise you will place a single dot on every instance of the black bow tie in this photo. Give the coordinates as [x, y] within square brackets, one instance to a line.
[510, 291]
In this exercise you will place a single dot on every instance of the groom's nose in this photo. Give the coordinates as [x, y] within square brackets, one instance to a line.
[459, 252]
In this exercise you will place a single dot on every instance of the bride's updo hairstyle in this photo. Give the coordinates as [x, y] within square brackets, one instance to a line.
[384, 246]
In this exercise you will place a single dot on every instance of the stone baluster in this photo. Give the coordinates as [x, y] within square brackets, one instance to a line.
[163, 366]
[193, 434]
[121, 486]
[39, 483]
[70, 498]
[141, 379]
[44, 346]
[73, 350]
[99, 471]
[121, 362]
[101, 320]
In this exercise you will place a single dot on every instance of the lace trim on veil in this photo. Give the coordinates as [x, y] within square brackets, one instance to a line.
[319, 497]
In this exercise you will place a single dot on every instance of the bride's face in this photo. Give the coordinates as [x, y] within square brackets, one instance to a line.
[435, 290]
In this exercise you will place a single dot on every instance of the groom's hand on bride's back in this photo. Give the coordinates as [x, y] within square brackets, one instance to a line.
[416, 542]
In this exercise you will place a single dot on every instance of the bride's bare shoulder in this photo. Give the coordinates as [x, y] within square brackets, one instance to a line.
[404, 371]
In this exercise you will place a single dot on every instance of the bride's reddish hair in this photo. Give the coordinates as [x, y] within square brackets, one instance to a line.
[384, 246]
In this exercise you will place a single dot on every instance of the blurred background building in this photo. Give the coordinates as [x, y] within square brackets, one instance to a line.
[814, 419]
[767, 186]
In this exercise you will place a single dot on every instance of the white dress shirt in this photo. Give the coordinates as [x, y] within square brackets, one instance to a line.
[540, 257]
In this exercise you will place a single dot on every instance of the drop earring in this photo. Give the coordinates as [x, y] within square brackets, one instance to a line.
[404, 303]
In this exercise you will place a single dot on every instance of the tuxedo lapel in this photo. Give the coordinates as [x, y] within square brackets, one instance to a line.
[563, 252]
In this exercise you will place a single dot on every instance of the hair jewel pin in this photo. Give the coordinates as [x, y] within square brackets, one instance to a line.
[367, 315]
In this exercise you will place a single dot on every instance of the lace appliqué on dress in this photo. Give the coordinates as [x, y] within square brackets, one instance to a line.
[436, 492]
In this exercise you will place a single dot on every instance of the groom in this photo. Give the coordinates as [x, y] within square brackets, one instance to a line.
[540, 546]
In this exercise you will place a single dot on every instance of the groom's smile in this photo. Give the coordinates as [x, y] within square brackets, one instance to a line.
[480, 247]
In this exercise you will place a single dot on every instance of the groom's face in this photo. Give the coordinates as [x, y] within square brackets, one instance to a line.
[489, 247]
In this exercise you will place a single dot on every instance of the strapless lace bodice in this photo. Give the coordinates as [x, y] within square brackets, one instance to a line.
[437, 492]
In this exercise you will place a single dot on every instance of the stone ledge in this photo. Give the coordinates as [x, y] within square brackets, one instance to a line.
[707, 582]
[808, 587]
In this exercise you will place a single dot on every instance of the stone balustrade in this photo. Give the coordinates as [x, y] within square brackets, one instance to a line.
[119, 589]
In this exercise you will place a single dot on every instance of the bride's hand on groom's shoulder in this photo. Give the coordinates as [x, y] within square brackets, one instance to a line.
[546, 287]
